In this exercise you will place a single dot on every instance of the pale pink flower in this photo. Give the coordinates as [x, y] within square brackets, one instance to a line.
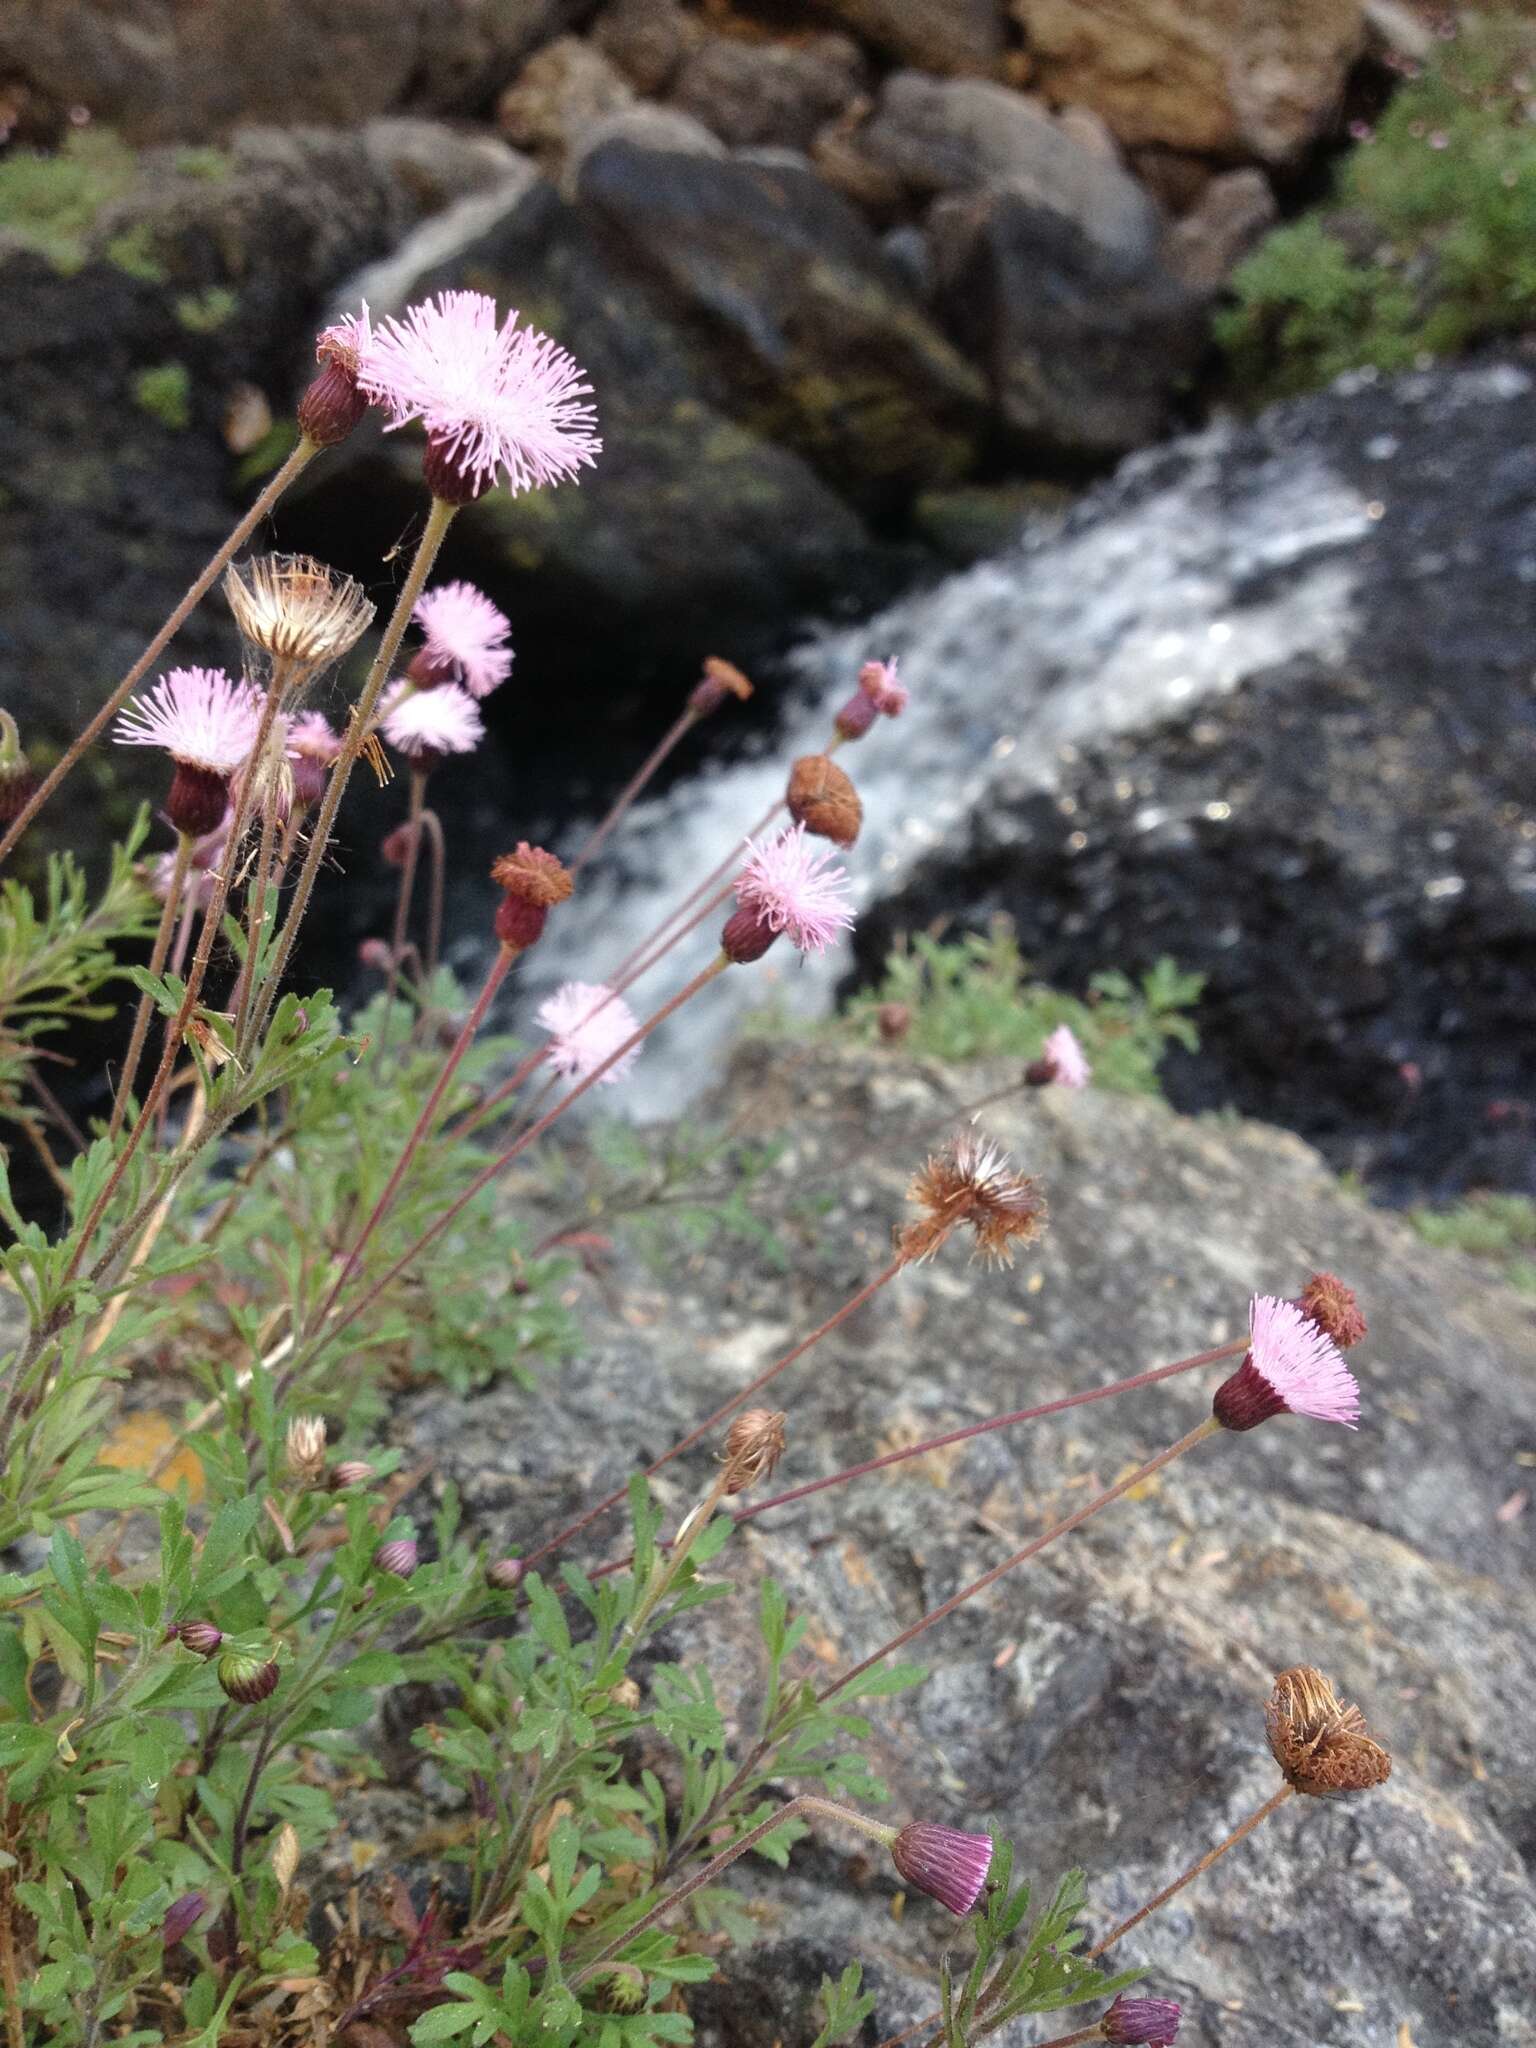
[877, 679]
[502, 402]
[313, 745]
[424, 723]
[588, 1023]
[466, 632]
[1291, 1368]
[797, 889]
[1068, 1062]
[946, 1863]
[201, 717]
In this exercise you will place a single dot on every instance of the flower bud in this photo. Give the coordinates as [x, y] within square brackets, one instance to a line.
[445, 476]
[754, 1444]
[395, 846]
[331, 406]
[350, 1472]
[534, 882]
[17, 777]
[1141, 2022]
[399, 1557]
[856, 716]
[198, 800]
[505, 1574]
[1333, 1307]
[374, 954]
[946, 1863]
[747, 936]
[722, 679]
[877, 680]
[304, 1450]
[894, 1021]
[182, 1917]
[247, 1677]
[201, 1637]
[822, 799]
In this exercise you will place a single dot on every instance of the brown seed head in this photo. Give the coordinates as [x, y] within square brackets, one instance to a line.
[1333, 1307]
[533, 876]
[822, 799]
[754, 1444]
[1319, 1741]
[721, 679]
[305, 1449]
[973, 1182]
[297, 611]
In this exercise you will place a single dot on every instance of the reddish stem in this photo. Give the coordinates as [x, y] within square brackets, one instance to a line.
[642, 775]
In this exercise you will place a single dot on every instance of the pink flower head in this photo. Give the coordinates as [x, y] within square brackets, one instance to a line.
[313, 744]
[877, 679]
[588, 1023]
[201, 717]
[426, 724]
[1291, 1368]
[946, 1863]
[791, 886]
[499, 403]
[466, 637]
[1066, 1059]
[1142, 2022]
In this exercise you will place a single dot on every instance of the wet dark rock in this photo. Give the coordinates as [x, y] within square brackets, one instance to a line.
[751, 92]
[1103, 1705]
[1231, 214]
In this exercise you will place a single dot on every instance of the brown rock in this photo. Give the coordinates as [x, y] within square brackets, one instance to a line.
[560, 93]
[752, 93]
[1234, 211]
[1249, 77]
[646, 39]
[939, 35]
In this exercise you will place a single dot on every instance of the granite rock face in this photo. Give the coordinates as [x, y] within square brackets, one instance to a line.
[1103, 1705]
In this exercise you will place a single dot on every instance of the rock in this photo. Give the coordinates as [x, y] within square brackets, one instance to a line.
[750, 93]
[559, 95]
[955, 135]
[1102, 1705]
[163, 72]
[646, 39]
[936, 35]
[1233, 213]
[812, 331]
[1232, 77]
[1087, 350]
[667, 130]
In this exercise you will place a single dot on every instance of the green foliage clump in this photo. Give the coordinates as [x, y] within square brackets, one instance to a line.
[165, 393]
[1500, 1228]
[50, 203]
[972, 998]
[207, 311]
[1429, 241]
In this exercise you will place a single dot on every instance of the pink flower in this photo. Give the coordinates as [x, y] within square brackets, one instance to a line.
[946, 1863]
[1068, 1062]
[501, 403]
[588, 1023]
[797, 889]
[467, 635]
[423, 724]
[1291, 1368]
[877, 679]
[313, 744]
[200, 716]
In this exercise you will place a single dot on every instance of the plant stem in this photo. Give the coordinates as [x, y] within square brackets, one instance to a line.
[710, 882]
[1244, 1828]
[270, 493]
[439, 519]
[498, 973]
[255, 922]
[642, 775]
[243, 1817]
[162, 945]
[432, 825]
[612, 1500]
[403, 896]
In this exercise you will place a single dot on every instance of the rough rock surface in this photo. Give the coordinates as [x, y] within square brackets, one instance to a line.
[751, 93]
[940, 35]
[1103, 1705]
[1232, 77]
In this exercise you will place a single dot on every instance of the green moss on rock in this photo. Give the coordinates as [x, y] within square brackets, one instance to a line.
[50, 202]
[165, 393]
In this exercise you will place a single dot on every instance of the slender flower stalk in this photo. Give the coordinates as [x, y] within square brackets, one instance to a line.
[302, 455]
[1240, 1833]
[169, 912]
[417, 803]
[437, 871]
[680, 727]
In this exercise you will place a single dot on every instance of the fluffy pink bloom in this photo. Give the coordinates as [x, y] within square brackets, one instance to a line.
[946, 1863]
[201, 717]
[1291, 1368]
[797, 889]
[877, 679]
[313, 744]
[465, 631]
[588, 1022]
[503, 403]
[1068, 1061]
[423, 723]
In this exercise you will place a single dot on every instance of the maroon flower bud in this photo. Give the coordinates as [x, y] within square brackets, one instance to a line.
[374, 954]
[331, 406]
[505, 1574]
[534, 882]
[946, 1863]
[856, 716]
[1142, 2022]
[395, 846]
[518, 923]
[247, 1677]
[399, 1557]
[201, 1637]
[182, 1917]
[895, 1021]
[350, 1472]
[446, 478]
[747, 936]
[198, 800]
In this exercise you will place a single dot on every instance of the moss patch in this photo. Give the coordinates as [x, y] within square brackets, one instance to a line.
[51, 202]
[165, 393]
[205, 312]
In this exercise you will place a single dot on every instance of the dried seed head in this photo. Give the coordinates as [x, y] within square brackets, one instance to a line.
[722, 679]
[534, 882]
[297, 612]
[754, 1444]
[946, 1863]
[1321, 1742]
[350, 1472]
[18, 778]
[822, 799]
[201, 1637]
[505, 1574]
[974, 1183]
[247, 1677]
[1326, 1301]
[626, 1695]
[399, 1557]
[1142, 2022]
[305, 1449]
